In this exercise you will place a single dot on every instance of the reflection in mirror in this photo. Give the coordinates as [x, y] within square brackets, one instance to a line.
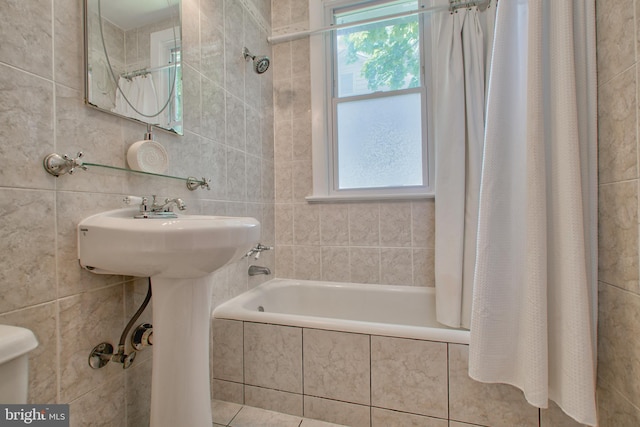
[133, 52]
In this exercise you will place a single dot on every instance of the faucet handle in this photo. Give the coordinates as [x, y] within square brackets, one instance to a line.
[130, 200]
[75, 163]
[194, 183]
[135, 200]
[257, 250]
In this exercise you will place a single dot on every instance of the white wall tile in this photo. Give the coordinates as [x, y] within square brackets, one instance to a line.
[273, 400]
[227, 350]
[273, 356]
[409, 376]
[337, 365]
[337, 412]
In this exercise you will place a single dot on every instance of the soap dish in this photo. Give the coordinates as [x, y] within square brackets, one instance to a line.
[148, 156]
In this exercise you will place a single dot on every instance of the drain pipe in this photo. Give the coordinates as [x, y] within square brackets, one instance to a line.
[120, 356]
[103, 352]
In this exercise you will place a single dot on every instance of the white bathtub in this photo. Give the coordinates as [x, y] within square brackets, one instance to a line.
[396, 311]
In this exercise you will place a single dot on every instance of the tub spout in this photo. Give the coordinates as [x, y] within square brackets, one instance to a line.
[254, 270]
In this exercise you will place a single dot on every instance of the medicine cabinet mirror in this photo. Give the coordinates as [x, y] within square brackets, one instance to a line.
[132, 60]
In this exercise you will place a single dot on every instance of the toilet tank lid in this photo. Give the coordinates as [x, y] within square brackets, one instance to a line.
[15, 341]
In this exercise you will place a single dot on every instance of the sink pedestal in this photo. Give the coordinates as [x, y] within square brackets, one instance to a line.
[180, 385]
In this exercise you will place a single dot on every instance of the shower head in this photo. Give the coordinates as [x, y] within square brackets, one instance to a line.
[260, 63]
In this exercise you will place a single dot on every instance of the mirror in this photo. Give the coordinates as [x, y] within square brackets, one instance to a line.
[132, 60]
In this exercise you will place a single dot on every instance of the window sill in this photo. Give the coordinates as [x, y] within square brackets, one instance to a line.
[370, 197]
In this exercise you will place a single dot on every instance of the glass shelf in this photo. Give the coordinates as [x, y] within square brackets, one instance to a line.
[192, 182]
[58, 165]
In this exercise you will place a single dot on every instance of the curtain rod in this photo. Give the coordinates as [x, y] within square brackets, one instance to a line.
[452, 7]
[145, 71]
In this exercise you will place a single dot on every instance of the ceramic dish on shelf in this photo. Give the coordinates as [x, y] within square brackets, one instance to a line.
[148, 156]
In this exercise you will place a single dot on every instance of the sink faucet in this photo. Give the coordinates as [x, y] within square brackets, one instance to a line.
[167, 206]
[156, 210]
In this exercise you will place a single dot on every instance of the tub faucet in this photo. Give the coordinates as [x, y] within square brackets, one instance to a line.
[254, 270]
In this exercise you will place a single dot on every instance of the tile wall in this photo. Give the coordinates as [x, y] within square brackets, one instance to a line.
[228, 137]
[386, 243]
[362, 380]
[619, 287]
[71, 310]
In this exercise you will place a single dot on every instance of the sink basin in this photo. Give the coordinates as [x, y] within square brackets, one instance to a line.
[178, 255]
[189, 246]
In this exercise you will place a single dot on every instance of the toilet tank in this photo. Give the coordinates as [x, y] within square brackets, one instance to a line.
[15, 345]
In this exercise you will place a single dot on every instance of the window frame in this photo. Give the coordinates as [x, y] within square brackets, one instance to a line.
[323, 107]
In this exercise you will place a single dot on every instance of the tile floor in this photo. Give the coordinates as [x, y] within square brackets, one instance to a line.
[235, 415]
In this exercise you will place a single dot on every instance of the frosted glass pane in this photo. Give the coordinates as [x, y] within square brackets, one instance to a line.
[380, 142]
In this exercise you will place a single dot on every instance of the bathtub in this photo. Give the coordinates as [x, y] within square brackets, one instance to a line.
[352, 354]
[394, 311]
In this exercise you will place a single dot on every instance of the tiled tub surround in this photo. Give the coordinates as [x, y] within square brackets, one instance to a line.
[360, 379]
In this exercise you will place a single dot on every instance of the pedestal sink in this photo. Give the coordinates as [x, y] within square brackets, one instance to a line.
[179, 255]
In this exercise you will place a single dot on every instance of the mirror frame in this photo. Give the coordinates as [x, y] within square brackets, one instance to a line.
[86, 68]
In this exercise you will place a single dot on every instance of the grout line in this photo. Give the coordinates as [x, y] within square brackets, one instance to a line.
[370, 384]
[244, 382]
[448, 386]
[635, 77]
[617, 74]
[539, 417]
[235, 416]
[55, 215]
[302, 366]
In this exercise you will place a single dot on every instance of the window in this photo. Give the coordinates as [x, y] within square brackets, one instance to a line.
[369, 101]
[166, 51]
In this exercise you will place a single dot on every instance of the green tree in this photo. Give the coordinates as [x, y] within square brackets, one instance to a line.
[392, 50]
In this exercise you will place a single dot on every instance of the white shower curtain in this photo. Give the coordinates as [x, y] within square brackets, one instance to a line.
[533, 321]
[141, 93]
[461, 50]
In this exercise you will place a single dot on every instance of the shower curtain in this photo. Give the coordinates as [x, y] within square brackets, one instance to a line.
[461, 45]
[533, 312]
[140, 91]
